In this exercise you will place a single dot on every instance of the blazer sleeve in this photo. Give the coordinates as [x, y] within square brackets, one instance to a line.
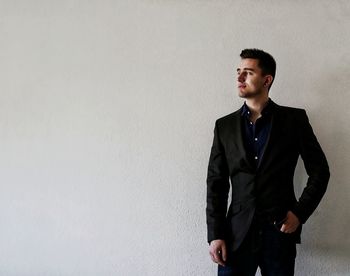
[316, 167]
[217, 189]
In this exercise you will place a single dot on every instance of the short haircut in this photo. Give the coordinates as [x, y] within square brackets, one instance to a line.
[266, 62]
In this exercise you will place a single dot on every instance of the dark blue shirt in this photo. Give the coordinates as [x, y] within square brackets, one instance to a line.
[255, 135]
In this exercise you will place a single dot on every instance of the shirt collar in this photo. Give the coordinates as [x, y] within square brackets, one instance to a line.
[245, 111]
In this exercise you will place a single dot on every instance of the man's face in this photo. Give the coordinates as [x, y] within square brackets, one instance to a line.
[250, 81]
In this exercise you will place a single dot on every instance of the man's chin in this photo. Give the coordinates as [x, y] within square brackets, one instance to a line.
[242, 95]
[248, 95]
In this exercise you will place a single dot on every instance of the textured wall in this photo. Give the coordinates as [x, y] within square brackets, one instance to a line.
[107, 111]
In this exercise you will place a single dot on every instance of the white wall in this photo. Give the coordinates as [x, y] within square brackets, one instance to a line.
[107, 111]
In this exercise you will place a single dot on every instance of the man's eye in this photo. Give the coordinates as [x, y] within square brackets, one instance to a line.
[250, 73]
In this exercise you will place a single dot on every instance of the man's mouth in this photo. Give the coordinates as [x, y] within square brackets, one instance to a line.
[241, 85]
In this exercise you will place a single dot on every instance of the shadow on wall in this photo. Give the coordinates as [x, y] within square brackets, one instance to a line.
[327, 231]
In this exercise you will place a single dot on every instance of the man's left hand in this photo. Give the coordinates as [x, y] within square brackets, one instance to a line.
[291, 224]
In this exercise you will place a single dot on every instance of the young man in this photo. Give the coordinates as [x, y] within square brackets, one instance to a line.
[256, 148]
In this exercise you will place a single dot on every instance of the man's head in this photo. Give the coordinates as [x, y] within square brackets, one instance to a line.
[256, 72]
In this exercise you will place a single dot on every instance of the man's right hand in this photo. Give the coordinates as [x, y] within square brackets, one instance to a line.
[218, 252]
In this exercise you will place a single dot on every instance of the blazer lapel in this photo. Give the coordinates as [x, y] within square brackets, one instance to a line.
[236, 136]
[275, 131]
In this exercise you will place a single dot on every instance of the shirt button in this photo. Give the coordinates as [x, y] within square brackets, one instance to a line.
[256, 139]
[256, 158]
[251, 123]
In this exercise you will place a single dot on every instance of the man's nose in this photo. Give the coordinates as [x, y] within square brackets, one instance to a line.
[241, 77]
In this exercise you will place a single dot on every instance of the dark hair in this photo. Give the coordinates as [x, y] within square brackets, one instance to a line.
[266, 62]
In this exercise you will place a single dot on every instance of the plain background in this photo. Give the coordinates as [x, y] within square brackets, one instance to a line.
[107, 110]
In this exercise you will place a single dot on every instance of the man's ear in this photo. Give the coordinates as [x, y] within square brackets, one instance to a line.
[268, 80]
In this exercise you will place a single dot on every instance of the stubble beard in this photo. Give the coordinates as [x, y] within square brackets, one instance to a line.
[249, 94]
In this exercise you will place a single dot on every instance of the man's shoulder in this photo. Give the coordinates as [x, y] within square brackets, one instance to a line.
[229, 117]
[289, 110]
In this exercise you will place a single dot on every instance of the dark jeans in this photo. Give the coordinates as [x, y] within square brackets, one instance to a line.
[265, 247]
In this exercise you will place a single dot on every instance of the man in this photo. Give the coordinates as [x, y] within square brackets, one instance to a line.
[256, 149]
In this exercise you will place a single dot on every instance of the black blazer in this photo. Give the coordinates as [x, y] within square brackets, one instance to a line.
[268, 189]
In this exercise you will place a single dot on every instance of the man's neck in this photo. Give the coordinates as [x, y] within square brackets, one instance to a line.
[256, 106]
